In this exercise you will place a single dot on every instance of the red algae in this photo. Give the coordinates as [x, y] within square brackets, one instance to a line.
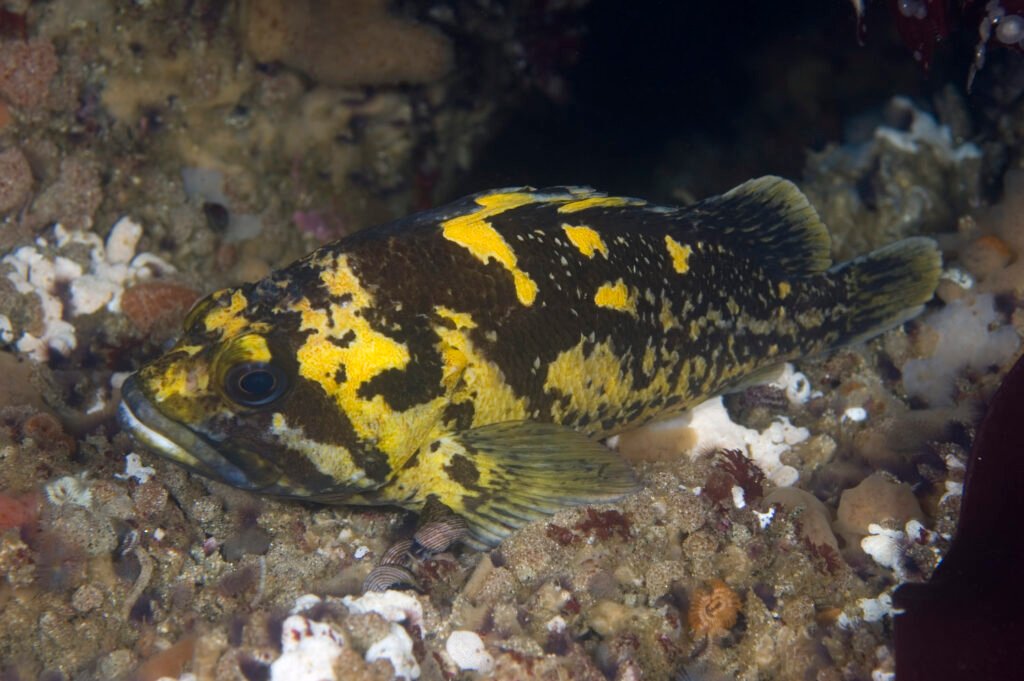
[732, 468]
[604, 524]
[18, 511]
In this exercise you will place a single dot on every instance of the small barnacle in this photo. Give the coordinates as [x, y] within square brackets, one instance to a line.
[713, 609]
[69, 490]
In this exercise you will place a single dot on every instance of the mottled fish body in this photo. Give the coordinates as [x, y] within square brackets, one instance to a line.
[475, 354]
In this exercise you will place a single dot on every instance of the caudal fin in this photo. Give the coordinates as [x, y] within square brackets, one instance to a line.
[888, 286]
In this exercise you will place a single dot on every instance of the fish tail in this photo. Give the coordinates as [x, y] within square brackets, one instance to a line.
[887, 287]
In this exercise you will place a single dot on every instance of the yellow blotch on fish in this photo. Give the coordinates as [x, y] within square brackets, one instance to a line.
[476, 235]
[680, 255]
[598, 202]
[586, 240]
[616, 296]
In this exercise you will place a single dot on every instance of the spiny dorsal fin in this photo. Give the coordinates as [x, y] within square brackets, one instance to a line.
[773, 218]
[491, 201]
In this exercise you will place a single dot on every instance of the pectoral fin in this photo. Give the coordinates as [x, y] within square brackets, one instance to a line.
[502, 476]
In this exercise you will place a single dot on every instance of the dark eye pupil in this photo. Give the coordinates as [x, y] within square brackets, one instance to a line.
[257, 383]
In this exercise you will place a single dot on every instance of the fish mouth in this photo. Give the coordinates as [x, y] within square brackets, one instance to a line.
[174, 441]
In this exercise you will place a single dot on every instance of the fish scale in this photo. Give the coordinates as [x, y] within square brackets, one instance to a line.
[474, 355]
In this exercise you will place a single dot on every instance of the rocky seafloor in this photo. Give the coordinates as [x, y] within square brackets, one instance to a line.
[149, 154]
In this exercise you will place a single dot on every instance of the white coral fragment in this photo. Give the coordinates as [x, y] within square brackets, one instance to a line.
[133, 469]
[883, 545]
[394, 606]
[50, 265]
[122, 241]
[715, 429]
[396, 647]
[308, 651]
[468, 652]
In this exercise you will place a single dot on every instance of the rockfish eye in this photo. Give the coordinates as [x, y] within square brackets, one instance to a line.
[255, 384]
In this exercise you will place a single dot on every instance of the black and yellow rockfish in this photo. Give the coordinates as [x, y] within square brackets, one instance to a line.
[475, 354]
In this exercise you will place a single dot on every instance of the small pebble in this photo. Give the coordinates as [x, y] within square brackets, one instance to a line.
[253, 540]
[26, 68]
[86, 598]
[150, 304]
[986, 255]
[855, 414]
[217, 216]
[15, 179]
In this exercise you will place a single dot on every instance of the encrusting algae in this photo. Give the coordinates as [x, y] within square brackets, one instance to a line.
[473, 355]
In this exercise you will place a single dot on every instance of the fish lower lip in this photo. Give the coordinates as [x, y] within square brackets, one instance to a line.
[174, 441]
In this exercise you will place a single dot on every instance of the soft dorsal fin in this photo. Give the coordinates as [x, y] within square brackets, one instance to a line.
[773, 218]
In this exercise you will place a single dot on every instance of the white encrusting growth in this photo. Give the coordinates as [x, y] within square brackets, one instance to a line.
[56, 265]
[396, 646]
[871, 610]
[855, 414]
[739, 499]
[308, 651]
[970, 336]
[309, 648]
[133, 469]
[6, 330]
[716, 430]
[794, 383]
[468, 652]
[925, 130]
